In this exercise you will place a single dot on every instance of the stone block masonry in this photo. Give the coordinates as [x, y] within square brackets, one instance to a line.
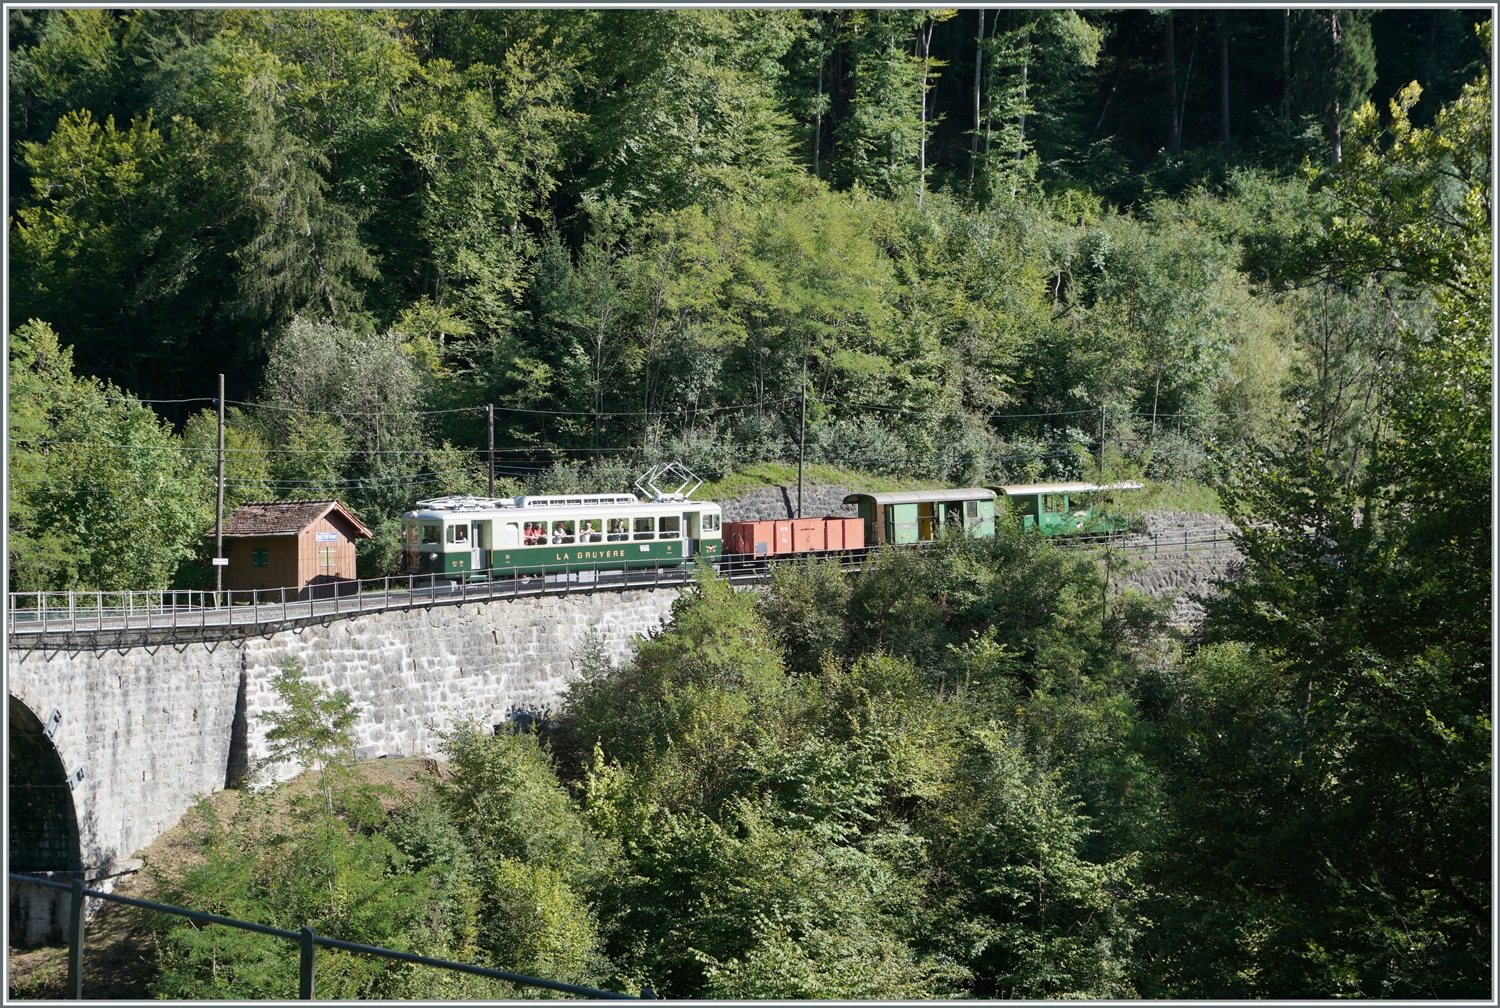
[145, 729]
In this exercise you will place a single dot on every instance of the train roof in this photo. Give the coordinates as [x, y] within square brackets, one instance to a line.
[922, 496]
[469, 505]
[1024, 489]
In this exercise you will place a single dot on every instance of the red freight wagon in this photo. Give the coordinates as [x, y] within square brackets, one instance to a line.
[808, 535]
[800, 535]
[762, 538]
[846, 533]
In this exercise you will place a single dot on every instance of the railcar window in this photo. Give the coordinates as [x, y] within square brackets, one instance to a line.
[588, 531]
[535, 534]
[671, 527]
[710, 523]
[1054, 503]
[645, 528]
[458, 534]
[562, 533]
[431, 535]
[260, 558]
[619, 529]
[971, 509]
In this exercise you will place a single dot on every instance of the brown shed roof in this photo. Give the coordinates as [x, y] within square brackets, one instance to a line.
[276, 518]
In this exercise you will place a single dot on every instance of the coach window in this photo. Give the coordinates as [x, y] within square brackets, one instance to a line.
[431, 535]
[588, 531]
[458, 534]
[1054, 503]
[645, 528]
[710, 523]
[671, 527]
[562, 533]
[619, 529]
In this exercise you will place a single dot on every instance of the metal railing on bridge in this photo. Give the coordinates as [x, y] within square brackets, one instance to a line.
[307, 938]
[1214, 539]
[35, 614]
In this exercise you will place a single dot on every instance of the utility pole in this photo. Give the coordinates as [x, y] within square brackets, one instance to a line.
[978, 81]
[219, 564]
[1103, 415]
[1223, 83]
[802, 433]
[1174, 125]
[490, 409]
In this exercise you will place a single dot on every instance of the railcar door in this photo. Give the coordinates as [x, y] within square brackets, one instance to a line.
[692, 531]
[481, 543]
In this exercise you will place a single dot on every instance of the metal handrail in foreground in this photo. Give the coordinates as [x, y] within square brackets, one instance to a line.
[307, 938]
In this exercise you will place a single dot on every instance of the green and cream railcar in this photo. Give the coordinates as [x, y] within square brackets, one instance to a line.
[481, 537]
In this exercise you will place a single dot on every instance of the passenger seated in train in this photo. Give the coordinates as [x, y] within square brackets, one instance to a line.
[619, 529]
[589, 531]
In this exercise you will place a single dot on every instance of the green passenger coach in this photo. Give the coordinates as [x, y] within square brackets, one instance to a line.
[476, 538]
[1067, 508]
[915, 516]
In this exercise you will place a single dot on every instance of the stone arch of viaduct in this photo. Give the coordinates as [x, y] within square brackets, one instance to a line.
[109, 746]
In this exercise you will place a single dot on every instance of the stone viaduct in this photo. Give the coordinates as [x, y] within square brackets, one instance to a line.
[110, 743]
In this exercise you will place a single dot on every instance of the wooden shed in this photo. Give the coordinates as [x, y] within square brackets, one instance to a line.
[305, 545]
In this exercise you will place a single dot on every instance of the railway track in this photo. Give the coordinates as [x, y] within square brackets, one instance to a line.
[84, 619]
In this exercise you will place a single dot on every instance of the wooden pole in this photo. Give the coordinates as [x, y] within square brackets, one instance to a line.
[1174, 130]
[1223, 83]
[802, 433]
[978, 105]
[219, 504]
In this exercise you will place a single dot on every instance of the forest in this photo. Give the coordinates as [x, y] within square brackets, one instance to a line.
[1242, 254]
[990, 245]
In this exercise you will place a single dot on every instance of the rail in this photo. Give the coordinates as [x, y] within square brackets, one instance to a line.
[307, 938]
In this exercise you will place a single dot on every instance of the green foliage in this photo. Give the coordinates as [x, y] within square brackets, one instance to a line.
[1345, 720]
[102, 496]
[806, 605]
[313, 729]
[344, 881]
[506, 804]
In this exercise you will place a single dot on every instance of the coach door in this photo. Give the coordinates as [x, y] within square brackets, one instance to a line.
[692, 531]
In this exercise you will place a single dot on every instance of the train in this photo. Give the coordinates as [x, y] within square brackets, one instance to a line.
[469, 538]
